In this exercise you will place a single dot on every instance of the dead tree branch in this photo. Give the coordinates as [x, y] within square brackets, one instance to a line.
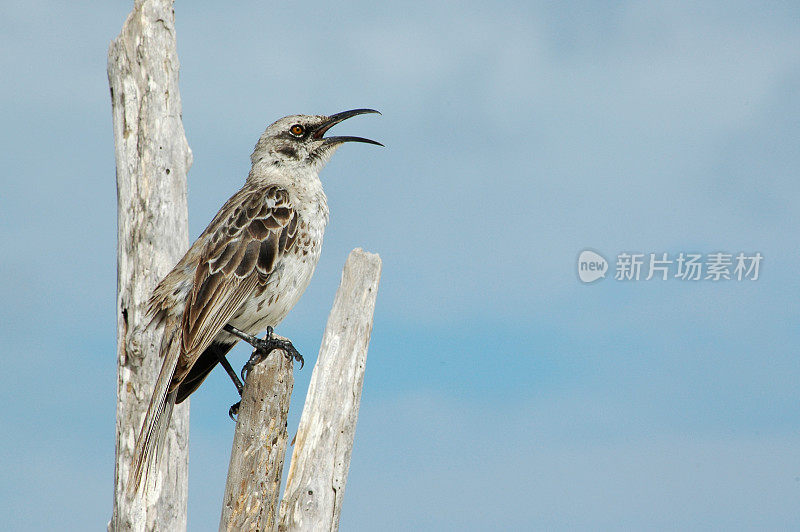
[152, 158]
[259, 447]
[321, 457]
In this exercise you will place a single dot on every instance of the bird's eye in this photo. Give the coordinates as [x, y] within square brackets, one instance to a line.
[297, 130]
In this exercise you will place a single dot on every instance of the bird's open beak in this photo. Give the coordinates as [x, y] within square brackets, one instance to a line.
[339, 117]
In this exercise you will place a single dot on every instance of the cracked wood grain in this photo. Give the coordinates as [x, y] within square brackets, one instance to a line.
[321, 459]
[152, 160]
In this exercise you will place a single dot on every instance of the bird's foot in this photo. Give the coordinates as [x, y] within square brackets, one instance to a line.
[263, 347]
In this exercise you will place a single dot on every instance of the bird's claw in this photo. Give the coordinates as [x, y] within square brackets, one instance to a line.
[267, 345]
[249, 365]
[291, 352]
[298, 358]
[233, 411]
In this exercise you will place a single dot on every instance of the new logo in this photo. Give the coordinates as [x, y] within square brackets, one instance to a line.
[591, 266]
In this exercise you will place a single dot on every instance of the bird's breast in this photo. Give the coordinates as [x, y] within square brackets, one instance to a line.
[272, 301]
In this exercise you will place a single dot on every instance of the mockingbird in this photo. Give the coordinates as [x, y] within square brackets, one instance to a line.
[246, 270]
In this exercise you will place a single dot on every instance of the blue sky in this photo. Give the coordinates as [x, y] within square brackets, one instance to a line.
[500, 391]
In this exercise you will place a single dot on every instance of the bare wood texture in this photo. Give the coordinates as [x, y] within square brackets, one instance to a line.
[259, 447]
[321, 458]
[152, 158]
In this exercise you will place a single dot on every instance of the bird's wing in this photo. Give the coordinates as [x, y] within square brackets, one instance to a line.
[251, 232]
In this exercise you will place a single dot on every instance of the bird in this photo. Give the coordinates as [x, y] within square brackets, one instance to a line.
[245, 271]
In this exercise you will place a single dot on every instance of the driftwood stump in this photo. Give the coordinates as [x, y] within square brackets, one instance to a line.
[152, 158]
[321, 458]
[259, 446]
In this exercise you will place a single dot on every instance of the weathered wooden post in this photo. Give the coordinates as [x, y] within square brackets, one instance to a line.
[259, 446]
[152, 158]
[321, 458]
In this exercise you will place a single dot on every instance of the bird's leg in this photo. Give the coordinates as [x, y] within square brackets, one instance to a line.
[234, 409]
[249, 338]
[231, 373]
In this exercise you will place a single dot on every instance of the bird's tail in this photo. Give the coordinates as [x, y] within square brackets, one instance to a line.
[156, 422]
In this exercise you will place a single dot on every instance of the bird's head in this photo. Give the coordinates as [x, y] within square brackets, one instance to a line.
[299, 141]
